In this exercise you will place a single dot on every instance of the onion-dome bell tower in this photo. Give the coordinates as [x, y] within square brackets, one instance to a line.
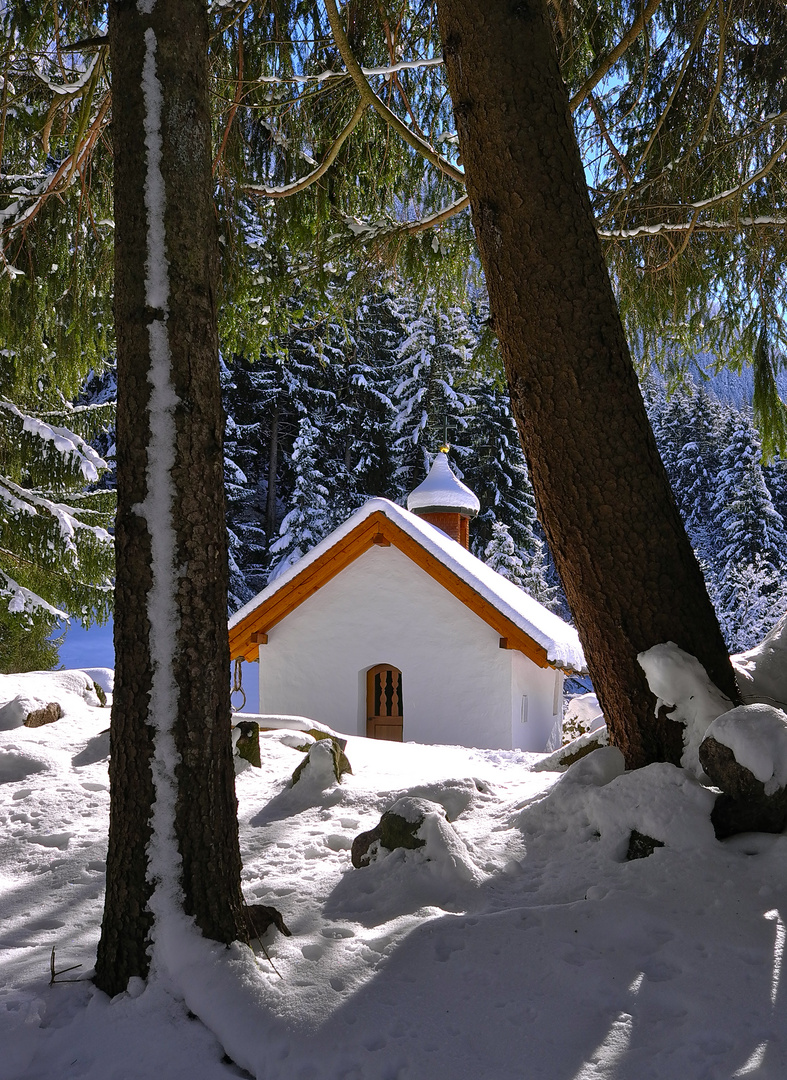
[444, 501]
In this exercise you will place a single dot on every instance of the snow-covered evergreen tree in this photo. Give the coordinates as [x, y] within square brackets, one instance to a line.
[750, 598]
[749, 524]
[365, 414]
[309, 518]
[528, 572]
[696, 464]
[748, 572]
[429, 392]
[713, 456]
[672, 427]
[252, 393]
[56, 556]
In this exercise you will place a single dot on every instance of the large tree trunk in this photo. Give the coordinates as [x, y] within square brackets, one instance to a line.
[602, 494]
[173, 829]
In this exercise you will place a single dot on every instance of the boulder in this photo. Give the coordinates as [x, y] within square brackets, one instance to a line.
[47, 715]
[359, 852]
[641, 846]
[325, 763]
[744, 805]
[247, 744]
[398, 828]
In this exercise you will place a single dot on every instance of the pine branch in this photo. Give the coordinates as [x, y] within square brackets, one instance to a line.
[774, 221]
[607, 62]
[322, 168]
[699, 31]
[386, 71]
[62, 179]
[368, 95]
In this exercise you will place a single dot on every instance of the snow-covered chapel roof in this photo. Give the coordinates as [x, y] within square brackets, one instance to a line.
[443, 491]
[525, 624]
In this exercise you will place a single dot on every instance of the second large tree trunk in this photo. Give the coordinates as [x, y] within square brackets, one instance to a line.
[173, 841]
[602, 493]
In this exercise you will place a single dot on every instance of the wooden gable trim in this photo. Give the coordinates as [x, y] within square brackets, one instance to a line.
[302, 586]
[244, 636]
[515, 638]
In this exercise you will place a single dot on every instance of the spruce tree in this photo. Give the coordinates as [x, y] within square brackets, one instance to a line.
[528, 571]
[310, 517]
[173, 862]
[630, 574]
[429, 386]
[56, 556]
[749, 524]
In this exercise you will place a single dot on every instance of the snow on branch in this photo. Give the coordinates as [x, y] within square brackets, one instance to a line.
[439, 216]
[74, 87]
[386, 71]
[22, 600]
[14, 217]
[765, 220]
[322, 168]
[384, 229]
[367, 94]
[16, 505]
[724, 196]
[66, 516]
[65, 442]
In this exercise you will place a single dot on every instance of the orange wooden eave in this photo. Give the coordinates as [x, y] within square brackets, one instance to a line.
[377, 528]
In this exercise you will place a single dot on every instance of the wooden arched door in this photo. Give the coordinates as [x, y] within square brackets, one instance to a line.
[384, 703]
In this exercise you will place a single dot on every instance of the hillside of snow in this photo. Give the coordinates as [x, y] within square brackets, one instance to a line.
[517, 944]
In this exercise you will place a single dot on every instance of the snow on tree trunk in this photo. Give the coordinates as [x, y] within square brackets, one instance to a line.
[603, 497]
[173, 845]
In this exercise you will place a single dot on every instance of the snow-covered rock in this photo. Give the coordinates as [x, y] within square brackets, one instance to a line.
[757, 736]
[583, 714]
[565, 756]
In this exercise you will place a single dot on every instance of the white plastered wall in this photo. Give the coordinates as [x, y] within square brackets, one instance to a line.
[534, 720]
[457, 683]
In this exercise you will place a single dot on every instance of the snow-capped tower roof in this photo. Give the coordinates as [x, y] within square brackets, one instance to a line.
[442, 492]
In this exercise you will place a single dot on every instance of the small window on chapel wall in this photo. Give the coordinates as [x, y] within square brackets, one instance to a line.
[384, 717]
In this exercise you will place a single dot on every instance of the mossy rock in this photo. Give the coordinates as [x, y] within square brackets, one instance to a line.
[400, 832]
[398, 828]
[340, 763]
[340, 744]
[248, 744]
[565, 756]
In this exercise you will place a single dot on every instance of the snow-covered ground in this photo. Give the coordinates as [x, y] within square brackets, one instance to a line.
[518, 944]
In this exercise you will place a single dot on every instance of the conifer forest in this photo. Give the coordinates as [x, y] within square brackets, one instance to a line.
[262, 261]
[356, 336]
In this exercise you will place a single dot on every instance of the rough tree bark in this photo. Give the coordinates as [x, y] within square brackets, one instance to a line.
[602, 494]
[169, 433]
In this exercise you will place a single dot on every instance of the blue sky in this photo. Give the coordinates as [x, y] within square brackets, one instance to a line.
[94, 648]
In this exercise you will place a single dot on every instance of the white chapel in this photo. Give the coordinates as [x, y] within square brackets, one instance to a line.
[392, 629]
